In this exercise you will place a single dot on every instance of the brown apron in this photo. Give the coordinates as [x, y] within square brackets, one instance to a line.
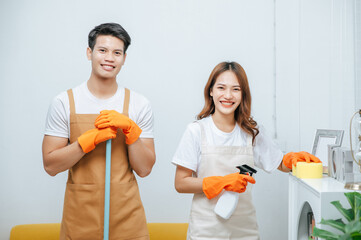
[83, 214]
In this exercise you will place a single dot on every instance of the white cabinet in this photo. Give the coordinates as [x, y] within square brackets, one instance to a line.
[313, 196]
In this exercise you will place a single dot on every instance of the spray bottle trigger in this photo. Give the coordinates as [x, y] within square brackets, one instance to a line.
[244, 169]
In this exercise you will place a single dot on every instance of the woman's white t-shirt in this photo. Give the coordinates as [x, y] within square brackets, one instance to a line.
[267, 155]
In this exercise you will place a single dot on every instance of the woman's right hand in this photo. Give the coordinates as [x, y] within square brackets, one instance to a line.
[235, 182]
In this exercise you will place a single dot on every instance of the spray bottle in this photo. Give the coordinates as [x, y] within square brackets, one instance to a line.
[227, 203]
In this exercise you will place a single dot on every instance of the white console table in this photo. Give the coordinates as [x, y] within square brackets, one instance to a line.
[313, 195]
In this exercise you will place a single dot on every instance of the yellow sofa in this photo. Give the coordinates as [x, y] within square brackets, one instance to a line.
[50, 231]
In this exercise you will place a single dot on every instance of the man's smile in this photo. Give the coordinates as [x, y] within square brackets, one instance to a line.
[107, 67]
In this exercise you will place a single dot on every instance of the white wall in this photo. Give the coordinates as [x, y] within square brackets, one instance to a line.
[175, 45]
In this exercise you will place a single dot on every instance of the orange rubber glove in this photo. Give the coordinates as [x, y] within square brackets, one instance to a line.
[111, 118]
[235, 182]
[92, 137]
[292, 158]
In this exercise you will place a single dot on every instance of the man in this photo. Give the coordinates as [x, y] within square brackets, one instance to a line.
[75, 138]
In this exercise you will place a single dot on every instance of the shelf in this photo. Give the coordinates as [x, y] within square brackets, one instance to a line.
[322, 185]
[312, 195]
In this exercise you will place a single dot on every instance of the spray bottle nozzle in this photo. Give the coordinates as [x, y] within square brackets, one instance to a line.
[246, 169]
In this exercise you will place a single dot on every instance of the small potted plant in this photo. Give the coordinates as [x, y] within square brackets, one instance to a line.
[344, 231]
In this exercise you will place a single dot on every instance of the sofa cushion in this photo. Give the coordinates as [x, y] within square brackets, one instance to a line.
[51, 231]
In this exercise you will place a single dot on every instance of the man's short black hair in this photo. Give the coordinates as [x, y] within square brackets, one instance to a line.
[112, 29]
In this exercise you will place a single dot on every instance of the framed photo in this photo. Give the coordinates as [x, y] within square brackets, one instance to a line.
[323, 138]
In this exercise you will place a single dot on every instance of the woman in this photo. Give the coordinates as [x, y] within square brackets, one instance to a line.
[226, 136]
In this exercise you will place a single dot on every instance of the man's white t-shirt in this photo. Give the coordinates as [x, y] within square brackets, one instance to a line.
[267, 155]
[58, 118]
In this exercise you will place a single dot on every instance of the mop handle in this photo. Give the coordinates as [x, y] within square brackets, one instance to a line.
[108, 154]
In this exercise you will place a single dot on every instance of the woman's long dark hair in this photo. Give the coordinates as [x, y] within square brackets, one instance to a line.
[242, 114]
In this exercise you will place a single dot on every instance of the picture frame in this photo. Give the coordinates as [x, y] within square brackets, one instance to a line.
[323, 138]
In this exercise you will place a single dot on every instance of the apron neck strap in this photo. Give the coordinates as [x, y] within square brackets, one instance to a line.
[203, 134]
[249, 140]
[71, 102]
[126, 101]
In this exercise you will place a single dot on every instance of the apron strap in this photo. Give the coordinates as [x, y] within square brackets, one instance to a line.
[249, 140]
[203, 134]
[71, 102]
[126, 101]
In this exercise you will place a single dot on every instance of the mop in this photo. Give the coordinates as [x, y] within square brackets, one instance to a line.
[108, 153]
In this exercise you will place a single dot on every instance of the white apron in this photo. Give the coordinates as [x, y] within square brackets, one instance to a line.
[204, 223]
